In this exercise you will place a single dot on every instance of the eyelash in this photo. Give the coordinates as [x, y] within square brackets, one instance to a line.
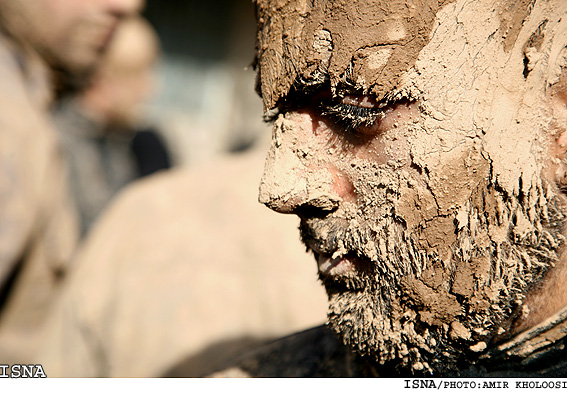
[350, 117]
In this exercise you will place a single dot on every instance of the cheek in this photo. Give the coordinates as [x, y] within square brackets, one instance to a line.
[64, 16]
[342, 184]
[555, 168]
[385, 142]
[390, 149]
[360, 157]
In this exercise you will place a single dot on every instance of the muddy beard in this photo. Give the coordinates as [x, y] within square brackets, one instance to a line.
[388, 313]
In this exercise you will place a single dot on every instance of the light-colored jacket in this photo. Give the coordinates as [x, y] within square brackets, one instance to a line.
[38, 226]
[183, 270]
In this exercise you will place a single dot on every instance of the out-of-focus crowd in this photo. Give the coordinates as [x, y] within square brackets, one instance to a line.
[103, 274]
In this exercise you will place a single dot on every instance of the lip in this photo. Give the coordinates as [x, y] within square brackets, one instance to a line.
[338, 266]
[330, 264]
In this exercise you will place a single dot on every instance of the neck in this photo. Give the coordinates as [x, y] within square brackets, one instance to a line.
[545, 299]
[537, 352]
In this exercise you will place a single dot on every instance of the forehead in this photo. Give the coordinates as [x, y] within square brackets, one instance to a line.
[366, 45]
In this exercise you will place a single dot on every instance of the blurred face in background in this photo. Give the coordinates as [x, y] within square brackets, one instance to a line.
[124, 80]
[70, 35]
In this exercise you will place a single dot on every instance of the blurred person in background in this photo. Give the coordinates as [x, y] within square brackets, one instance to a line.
[183, 272]
[38, 228]
[101, 125]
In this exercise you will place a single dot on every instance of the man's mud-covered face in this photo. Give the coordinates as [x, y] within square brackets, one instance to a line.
[410, 138]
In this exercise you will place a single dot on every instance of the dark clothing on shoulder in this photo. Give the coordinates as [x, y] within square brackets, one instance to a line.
[150, 152]
[314, 353]
[537, 353]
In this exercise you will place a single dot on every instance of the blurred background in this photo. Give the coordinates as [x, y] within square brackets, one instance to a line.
[205, 104]
[134, 245]
[182, 272]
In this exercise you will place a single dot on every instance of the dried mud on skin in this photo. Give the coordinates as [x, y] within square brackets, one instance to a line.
[466, 221]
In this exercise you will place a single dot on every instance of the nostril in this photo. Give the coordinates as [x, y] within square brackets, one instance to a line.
[307, 211]
[319, 207]
[324, 202]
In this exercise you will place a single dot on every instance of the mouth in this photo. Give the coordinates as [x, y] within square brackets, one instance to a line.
[335, 264]
[340, 274]
[333, 259]
[338, 266]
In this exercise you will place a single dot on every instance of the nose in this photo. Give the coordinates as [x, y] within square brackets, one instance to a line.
[295, 180]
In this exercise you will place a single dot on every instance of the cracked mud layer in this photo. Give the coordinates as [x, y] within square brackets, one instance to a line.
[431, 220]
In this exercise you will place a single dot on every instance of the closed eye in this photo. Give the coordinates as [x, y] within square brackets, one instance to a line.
[351, 117]
[360, 114]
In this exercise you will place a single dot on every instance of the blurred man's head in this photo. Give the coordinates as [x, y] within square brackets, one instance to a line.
[420, 144]
[70, 34]
[124, 80]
